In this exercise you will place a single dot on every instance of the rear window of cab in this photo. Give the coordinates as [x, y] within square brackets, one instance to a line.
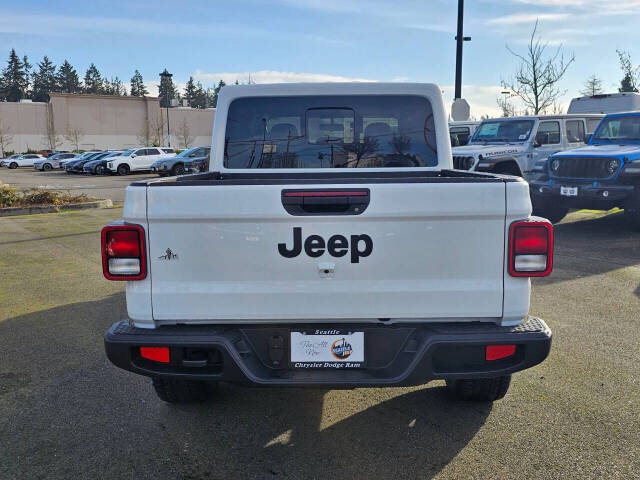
[359, 131]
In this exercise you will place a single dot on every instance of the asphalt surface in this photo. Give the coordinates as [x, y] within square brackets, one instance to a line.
[95, 186]
[66, 412]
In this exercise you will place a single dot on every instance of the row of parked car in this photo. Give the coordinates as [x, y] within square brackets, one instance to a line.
[570, 161]
[161, 160]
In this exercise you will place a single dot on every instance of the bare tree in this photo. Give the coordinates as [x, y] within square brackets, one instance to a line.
[144, 137]
[157, 126]
[51, 140]
[508, 108]
[592, 86]
[184, 134]
[536, 79]
[6, 138]
[630, 81]
[74, 137]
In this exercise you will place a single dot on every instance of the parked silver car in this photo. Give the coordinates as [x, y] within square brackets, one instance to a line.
[53, 161]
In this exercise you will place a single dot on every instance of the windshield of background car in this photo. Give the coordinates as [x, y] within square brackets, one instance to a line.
[363, 131]
[619, 129]
[126, 153]
[186, 153]
[503, 131]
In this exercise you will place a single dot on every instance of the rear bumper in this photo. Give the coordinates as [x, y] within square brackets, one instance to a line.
[395, 355]
[600, 197]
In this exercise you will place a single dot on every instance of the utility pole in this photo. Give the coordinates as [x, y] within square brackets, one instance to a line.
[460, 109]
[459, 39]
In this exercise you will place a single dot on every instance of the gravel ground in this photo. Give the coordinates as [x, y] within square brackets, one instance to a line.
[96, 186]
[66, 412]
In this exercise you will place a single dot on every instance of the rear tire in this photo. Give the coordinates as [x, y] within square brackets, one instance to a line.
[479, 389]
[123, 169]
[177, 170]
[13, 165]
[46, 167]
[180, 391]
[100, 170]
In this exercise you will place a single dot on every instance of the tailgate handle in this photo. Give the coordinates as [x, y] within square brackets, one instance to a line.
[342, 201]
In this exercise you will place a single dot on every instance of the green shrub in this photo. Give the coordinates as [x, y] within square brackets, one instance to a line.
[8, 153]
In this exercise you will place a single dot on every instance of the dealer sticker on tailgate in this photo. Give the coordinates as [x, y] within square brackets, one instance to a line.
[327, 349]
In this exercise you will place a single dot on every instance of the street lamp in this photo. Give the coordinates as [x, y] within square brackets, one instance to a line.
[165, 75]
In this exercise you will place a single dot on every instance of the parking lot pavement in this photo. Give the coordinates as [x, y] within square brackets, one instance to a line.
[66, 412]
[96, 186]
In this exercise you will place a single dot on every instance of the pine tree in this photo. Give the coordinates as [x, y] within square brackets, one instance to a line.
[13, 79]
[26, 67]
[44, 81]
[190, 92]
[138, 89]
[200, 98]
[113, 87]
[592, 86]
[166, 90]
[93, 80]
[67, 79]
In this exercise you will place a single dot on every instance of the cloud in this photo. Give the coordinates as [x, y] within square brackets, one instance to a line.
[518, 18]
[272, 76]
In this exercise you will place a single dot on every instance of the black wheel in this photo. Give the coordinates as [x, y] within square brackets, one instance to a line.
[123, 169]
[181, 391]
[480, 389]
[46, 167]
[177, 170]
[13, 165]
[100, 170]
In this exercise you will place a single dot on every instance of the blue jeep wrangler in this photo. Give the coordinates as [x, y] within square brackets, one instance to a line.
[602, 175]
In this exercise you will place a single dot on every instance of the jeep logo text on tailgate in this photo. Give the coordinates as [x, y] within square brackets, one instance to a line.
[337, 246]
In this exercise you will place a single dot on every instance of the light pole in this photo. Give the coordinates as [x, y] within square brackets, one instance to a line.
[459, 39]
[165, 75]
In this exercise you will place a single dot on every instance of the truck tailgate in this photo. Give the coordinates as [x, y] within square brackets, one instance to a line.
[437, 252]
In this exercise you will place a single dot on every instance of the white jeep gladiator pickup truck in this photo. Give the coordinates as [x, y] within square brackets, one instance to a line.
[330, 244]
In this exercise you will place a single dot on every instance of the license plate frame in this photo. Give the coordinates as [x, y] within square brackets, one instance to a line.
[327, 349]
[568, 191]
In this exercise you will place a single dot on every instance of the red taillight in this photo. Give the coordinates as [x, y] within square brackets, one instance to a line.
[530, 249]
[157, 354]
[123, 252]
[123, 243]
[497, 352]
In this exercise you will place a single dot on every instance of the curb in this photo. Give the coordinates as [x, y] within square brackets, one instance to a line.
[12, 211]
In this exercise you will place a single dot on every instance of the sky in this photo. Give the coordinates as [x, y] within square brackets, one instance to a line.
[323, 40]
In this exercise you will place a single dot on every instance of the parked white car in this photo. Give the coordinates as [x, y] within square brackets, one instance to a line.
[515, 145]
[5, 161]
[138, 159]
[460, 132]
[25, 160]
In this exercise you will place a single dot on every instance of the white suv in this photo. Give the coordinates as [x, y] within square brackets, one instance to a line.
[138, 159]
[25, 160]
